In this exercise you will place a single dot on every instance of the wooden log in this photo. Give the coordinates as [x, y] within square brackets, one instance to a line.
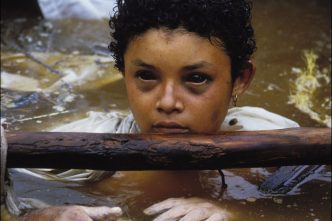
[295, 146]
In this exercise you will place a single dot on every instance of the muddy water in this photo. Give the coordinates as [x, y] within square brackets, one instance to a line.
[286, 31]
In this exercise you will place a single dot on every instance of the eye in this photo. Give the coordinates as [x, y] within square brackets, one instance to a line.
[197, 78]
[146, 75]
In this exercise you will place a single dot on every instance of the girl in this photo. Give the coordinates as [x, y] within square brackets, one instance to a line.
[183, 63]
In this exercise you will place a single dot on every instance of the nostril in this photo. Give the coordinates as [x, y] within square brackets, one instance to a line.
[169, 110]
[169, 101]
[166, 105]
[159, 109]
[164, 110]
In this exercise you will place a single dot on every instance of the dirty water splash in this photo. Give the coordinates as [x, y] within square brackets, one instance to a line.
[304, 90]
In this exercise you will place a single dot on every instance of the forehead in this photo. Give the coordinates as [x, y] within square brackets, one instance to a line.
[170, 35]
[175, 44]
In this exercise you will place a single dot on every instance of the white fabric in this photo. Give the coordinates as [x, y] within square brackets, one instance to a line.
[255, 118]
[83, 9]
[248, 118]
[101, 122]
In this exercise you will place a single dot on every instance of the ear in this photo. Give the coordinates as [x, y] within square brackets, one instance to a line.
[243, 81]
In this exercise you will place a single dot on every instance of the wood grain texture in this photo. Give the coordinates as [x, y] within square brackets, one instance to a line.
[295, 146]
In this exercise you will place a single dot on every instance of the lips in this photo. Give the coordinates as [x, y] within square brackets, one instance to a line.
[169, 127]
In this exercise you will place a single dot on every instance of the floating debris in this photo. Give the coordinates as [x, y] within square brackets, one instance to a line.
[45, 116]
[18, 82]
[251, 199]
[84, 72]
[304, 90]
[277, 200]
[38, 82]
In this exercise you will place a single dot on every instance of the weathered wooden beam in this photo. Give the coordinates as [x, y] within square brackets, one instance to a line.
[295, 146]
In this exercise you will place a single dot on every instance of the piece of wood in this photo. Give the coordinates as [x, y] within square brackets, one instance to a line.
[295, 146]
[287, 177]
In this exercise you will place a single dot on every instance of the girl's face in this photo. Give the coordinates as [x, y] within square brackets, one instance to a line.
[177, 82]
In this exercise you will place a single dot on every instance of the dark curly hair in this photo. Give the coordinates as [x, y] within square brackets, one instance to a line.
[227, 20]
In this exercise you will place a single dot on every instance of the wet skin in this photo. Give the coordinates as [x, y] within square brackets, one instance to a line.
[179, 82]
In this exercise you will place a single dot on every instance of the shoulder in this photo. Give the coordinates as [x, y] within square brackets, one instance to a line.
[255, 118]
[101, 122]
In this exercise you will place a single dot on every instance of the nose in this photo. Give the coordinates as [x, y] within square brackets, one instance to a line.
[169, 101]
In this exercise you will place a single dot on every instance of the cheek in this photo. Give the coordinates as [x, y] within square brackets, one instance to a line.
[140, 105]
[138, 108]
[130, 93]
[214, 117]
[137, 103]
[218, 116]
[135, 97]
[207, 119]
[211, 109]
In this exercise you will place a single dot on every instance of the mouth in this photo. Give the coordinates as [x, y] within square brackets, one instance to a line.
[169, 127]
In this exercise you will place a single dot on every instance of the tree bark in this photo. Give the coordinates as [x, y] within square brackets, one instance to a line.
[295, 146]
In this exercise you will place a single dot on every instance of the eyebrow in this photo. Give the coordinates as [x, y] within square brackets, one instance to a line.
[201, 64]
[140, 63]
[197, 65]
